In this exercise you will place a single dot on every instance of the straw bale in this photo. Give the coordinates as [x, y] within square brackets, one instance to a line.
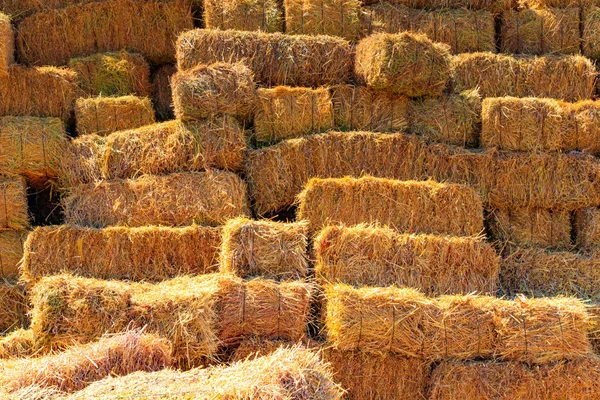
[264, 248]
[406, 63]
[19, 343]
[11, 252]
[294, 373]
[109, 25]
[547, 31]
[148, 253]
[324, 17]
[179, 199]
[407, 206]
[274, 58]
[452, 119]
[13, 307]
[584, 131]
[494, 6]
[586, 225]
[38, 91]
[254, 347]
[104, 115]
[591, 24]
[363, 108]
[7, 44]
[244, 15]
[13, 203]
[379, 256]
[284, 112]
[387, 17]
[161, 92]
[219, 88]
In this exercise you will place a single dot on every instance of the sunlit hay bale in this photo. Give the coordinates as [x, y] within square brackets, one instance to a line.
[149, 253]
[39, 91]
[363, 108]
[453, 119]
[406, 206]
[274, 58]
[7, 44]
[548, 31]
[11, 252]
[264, 248]
[179, 199]
[162, 95]
[285, 374]
[149, 28]
[284, 112]
[587, 229]
[104, 115]
[244, 15]
[495, 6]
[585, 126]
[324, 17]
[379, 256]
[78, 366]
[13, 203]
[405, 63]
[13, 307]
[386, 17]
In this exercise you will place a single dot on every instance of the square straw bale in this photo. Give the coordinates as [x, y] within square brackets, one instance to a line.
[254, 346]
[587, 229]
[590, 36]
[387, 17]
[149, 28]
[104, 115]
[405, 63]
[264, 248]
[287, 112]
[13, 307]
[7, 44]
[274, 58]
[11, 252]
[585, 127]
[494, 6]
[324, 17]
[162, 96]
[244, 15]
[14, 213]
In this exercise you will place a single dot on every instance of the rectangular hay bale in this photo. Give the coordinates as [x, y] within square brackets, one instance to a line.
[586, 225]
[14, 212]
[11, 252]
[494, 6]
[104, 115]
[244, 15]
[324, 17]
[13, 307]
[590, 36]
[7, 44]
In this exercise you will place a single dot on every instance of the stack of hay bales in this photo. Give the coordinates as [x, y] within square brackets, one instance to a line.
[244, 15]
[324, 17]
[7, 44]
[104, 115]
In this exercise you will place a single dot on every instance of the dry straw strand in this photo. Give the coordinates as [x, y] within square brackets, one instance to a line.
[19, 343]
[7, 44]
[324, 17]
[586, 224]
[13, 203]
[13, 307]
[11, 252]
[244, 15]
[104, 115]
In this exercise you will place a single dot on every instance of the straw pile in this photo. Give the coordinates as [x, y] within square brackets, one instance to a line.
[586, 225]
[19, 343]
[274, 58]
[406, 63]
[590, 37]
[407, 206]
[104, 115]
[264, 248]
[244, 15]
[40, 91]
[219, 88]
[11, 252]
[13, 307]
[148, 253]
[363, 108]
[117, 24]
[7, 44]
[13, 203]
[378, 256]
[287, 112]
[324, 17]
[161, 92]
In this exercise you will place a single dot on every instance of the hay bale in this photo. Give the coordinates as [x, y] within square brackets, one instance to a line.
[179, 199]
[244, 15]
[218, 88]
[19, 343]
[13, 307]
[324, 17]
[379, 256]
[274, 58]
[161, 92]
[117, 24]
[405, 63]
[264, 248]
[494, 6]
[452, 119]
[584, 131]
[11, 252]
[407, 206]
[284, 112]
[590, 38]
[104, 115]
[39, 91]
[13, 203]
[387, 17]
[148, 253]
[7, 44]
[586, 224]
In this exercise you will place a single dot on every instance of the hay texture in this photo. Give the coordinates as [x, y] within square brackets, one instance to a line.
[104, 115]
[11, 252]
[264, 248]
[7, 44]
[244, 15]
[378, 256]
[586, 225]
[492, 6]
[590, 37]
[208, 90]
[146, 253]
[149, 28]
[406, 63]
[324, 17]
[13, 307]
[284, 112]
[13, 203]
[407, 206]
[162, 95]
[274, 58]
[19, 343]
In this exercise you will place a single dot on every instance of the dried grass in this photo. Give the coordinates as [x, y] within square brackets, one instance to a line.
[161, 92]
[7, 44]
[244, 15]
[11, 252]
[104, 115]
[586, 225]
[13, 203]
[19, 343]
[254, 346]
[13, 307]
[494, 6]
[591, 23]
[324, 17]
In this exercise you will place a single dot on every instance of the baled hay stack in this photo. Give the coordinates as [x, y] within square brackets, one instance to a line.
[19, 343]
[452, 119]
[112, 74]
[254, 346]
[11, 252]
[584, 129]
[149, 28]
[39, 91]
[7, 44]
[587, 229]
[274, 58]
[294, 373]
[591, 38]
[146, 253]
[104, 115]
[264, 248]
[13, 307]
[379, 256]
[324, 17]
[489, 5]
[406, 63]
[13, 203]
[179, 199]
[407, 206]
[161, 92]
[220, 88]
[363, 108]
[244, 15]
[386, 17]
[284, 112]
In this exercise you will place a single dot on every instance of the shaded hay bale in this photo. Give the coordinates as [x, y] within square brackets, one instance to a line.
[7, 44]
[24, 8]
[19, 343]
[275, 59]
[104, 115]
[13, 307]
[161, 92]
[544, 4]
[584, 131]
[148, 253]
[590, 37]
[379, 256]
[324, 17]
[244, 15]
[494, 6]
[13, 203]
[264, 248]
[586, 224]
[11, 252]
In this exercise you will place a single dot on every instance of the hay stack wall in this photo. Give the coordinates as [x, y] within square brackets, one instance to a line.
[11, 252]
[244, 15]
[7, 44]
[13, 203]
[162, 95]
[587, 233]
[104, 115]
[324, 17]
